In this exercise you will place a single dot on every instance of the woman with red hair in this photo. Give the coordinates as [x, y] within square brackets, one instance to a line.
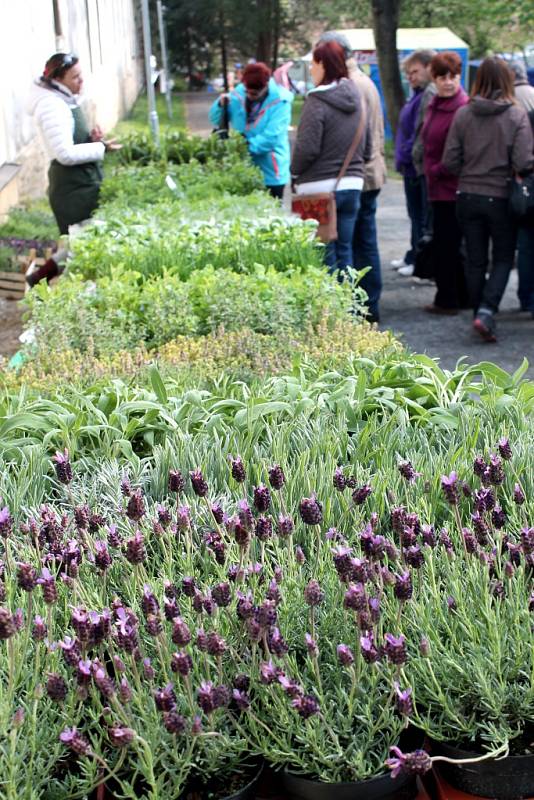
[260, 110]
[331, 118]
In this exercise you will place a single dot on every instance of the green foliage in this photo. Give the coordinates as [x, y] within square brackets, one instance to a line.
[8, 261]
[33, 221]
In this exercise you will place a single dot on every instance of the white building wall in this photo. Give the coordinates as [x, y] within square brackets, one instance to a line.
[101, 32]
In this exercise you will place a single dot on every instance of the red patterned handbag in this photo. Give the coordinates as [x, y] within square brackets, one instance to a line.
[321, 206]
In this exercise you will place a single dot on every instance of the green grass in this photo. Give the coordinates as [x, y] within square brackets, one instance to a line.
[137, 119]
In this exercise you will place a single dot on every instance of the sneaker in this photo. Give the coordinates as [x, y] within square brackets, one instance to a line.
[406, 271]
[397, 263]
[484, 324]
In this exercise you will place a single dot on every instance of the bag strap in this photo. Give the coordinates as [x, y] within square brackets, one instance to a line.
[352, 149]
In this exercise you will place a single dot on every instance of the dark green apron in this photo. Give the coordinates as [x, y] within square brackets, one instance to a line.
[73, 191]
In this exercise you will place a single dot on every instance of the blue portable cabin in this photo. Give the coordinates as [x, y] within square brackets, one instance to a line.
[362, 41]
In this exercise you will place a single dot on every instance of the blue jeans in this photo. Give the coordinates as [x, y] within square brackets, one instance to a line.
[365, 250]
[338, 254]
[525, 268]
[417, 206]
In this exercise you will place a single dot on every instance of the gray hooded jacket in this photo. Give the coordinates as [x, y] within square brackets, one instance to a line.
[489, 139]
[328, 124]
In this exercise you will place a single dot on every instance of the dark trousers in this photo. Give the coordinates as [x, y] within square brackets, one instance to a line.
[448, 263]
[417, 207]
[276, 191]
[486, 220]
[525, 267]
[365, 249]
[338, 254]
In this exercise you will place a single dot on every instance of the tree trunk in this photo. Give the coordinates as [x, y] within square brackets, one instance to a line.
[385, 24]
[276, 33]
[264, 43]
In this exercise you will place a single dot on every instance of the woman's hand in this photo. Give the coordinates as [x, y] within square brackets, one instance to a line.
[111, 145]
[97, 134]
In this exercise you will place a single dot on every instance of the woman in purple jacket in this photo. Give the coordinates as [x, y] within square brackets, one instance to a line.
[442, 185]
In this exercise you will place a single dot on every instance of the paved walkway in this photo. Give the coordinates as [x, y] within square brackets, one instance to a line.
[447, 338]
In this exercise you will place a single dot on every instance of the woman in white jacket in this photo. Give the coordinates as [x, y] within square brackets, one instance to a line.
[75, 172]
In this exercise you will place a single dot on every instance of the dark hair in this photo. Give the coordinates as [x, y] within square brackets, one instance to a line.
[58, 64]
[443, 63]
[494, 78]
[332, 56]
[423, 57]
[256, 76]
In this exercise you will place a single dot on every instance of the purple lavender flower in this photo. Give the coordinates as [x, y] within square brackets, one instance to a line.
[451, 603]
[183, 518]
[285, 526]
[206, 698]
[244, 514]
[264, 528]
[360, 495]
[165, 698]
[218, 513]
[355, 598]
[300, 558]
[307, 705]
[416, 763]
[313, 594]
[414, 556]
[504, 448]
[114, 537]
[48, 585]
[273, 592]
[407, 471]
[176, 482]
[268, 672]
[469, 540]
[368, 649]
[450, 488]
[342, 560]
[102, 681]
[496, 471]
[216, 644]
[39, 629]
[479, 467]
[221, 696]
[174, 722]
[395, 648]
[339, 480]
[265, 614]
[153, 625]
[480, 528]
[148, 670]
[125, 691]
[262, 498]
[188, 586]
[238, 469]
[56, 688]
[311, 645]
[182, 663]
[241, 699]
[6, 522]
[125, 486]
[222, 594]
[398, 519]
[290, 687]
[120, 736]
[424, 647]
[8, 627]
[181, 635]
[445, 540]
[135, 508]
[403, 700]
[75, 741]
[484, 500]
[26, 577]
[245, 606]
[196, 726]
[63, 467]
[311, 510]
[518, 496]
[102, 555]
[276, 643]
[498, 517]
[135, 549]
[241, 682]
[200, 487]
[276, 477]
[374, 609]
[527, 540]
[428, 534]
[345, 655]
[149, 601]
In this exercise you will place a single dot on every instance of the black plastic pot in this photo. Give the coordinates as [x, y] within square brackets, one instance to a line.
[382, 788]
[510, 778]
[248, 791]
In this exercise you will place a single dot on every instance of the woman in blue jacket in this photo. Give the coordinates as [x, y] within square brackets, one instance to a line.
[260, 109]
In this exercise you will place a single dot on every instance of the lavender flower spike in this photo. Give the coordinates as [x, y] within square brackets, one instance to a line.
[450, 488]
[76, 742]
[63, 467]
[416, 763]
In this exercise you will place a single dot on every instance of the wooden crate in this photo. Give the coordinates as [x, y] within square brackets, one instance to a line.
[13, 285]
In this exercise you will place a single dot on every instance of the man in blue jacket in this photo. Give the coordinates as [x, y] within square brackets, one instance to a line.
[260, 110]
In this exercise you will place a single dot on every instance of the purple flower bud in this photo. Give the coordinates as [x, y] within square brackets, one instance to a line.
[509, 569]
[424, 647]
[345, 655]
[450, 488]
[49, 587]
[339, 480]
[39, 629]
[164, 516]
[479, 466]
[218, 513]
[498, 517]
[176, 481]
[241, 699]
[114, 537]
[244, 514]
[480, 527]
[407, 471]
[355, 598]
[273, 592]
[300, 558]
[414, 556]
[183, 518]
[238, 469]
[262, 498]
[306, 706]
[222, 696]
[6, 522]
[135, 549]
[416, 763]
[125, 486]
[148, 670]
[254, 630]
[428, 534]
[102, 681]
[165, 698]
[360, 495]
[265, 614]
[63, 467]
[26, 577]
[311, 510]
[518, 496]
[216, 644]
[504, 448]
[56, 688]
[268, 672]
[188, 586]
[182, 663]
[496, 472]
[403, 700]
[135, 508]
[469, 541]
[374, 609]
[484, 500]
[149, 602]
[285, 526]
[313, 594]
[241, 682]
[181, 635]
[311, 645]
[527, 540]
[451, 603]
[125, 692]
[200, 487]
[276, 477]
[445, 540]
[153, 625]
[120, 736]
[277, 644]
[75, 741]
[264, 528]
[369, 651]
[206, 698]
[398, 519]
[102, 555]
[290, 687]
[395, 648]
[196, 726]
[174, 722]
